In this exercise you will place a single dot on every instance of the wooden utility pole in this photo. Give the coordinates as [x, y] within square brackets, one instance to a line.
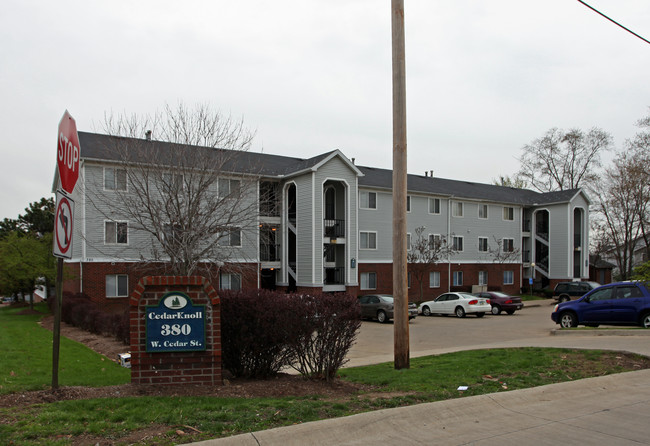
[400, 274]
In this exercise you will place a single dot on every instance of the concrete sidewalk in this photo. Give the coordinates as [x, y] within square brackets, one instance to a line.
[608, 410]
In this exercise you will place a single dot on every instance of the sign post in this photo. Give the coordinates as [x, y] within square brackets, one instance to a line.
[68, 156]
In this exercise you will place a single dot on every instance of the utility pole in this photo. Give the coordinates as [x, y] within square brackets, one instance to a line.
[400, 274]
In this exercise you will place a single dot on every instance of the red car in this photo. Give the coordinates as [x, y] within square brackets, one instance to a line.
[502, 302]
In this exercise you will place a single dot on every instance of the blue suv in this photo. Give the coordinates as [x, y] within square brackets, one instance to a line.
[622, 303]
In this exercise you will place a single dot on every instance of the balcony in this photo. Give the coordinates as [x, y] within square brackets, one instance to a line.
[525, 226]
[334, 228]
[270, 253]
[525, 256]
[334, 276]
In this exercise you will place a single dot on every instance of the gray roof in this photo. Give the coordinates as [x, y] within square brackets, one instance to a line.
[103, 148]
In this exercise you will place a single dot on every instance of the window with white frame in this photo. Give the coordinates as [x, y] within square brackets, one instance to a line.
[434, 205]
[230, 281]
[508, 245]
[367, 240]
[114, 178]
[458, 278]
[367, 200]
[230, 238]
[508, 213]
[173, 181]
[368, 281]
[434, 279]
[482, 277]
[508, 277]
[482, 244]
[483, 211]
[457, 243]
[408, 203]
[228, 187]
[116, 233]
[434, 241]
[117, 285]
[457, 208]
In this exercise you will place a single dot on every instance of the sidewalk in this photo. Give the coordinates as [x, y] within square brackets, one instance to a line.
[611, 410]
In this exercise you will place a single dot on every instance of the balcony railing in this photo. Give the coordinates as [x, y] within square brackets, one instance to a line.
[525, 226]
[270, 208]
[334, 228]
[334, 276]
[270, 253]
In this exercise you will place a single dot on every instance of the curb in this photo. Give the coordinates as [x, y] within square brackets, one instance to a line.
[600, 332]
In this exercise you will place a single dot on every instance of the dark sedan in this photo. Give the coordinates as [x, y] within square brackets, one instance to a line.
[502, 302]
[381, 307]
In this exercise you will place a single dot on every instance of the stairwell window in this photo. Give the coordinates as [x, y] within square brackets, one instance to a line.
[117, 285]
[116, 233]
[367, 200]
[368, 281]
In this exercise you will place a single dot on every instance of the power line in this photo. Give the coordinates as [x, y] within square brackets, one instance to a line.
[614, 22]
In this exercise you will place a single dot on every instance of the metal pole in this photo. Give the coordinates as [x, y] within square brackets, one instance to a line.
[400, 274]
[56, 331]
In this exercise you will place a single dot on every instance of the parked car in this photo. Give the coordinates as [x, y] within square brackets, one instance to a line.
[622, 303]
[502, 302]
[565, 291]
[7, 300]
[459, 304]
[381, 306]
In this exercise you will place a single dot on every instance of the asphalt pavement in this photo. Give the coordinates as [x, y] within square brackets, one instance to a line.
[607, 410]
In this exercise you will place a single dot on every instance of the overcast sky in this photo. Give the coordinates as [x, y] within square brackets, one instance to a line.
[484, 77]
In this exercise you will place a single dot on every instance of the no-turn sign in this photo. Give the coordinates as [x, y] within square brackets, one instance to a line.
[68, 153]
[63, 218]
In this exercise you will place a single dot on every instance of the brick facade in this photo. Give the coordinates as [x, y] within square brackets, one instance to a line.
[196, 367]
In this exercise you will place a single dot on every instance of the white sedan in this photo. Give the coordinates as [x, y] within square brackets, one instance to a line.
[459, 304]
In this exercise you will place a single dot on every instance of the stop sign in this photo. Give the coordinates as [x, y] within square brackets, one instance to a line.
[67, 154]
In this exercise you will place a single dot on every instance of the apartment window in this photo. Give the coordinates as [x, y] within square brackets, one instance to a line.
[482, 278]
[434, 205]
[457, 208]
[230, 238]
[368, 240]
[173, 181]
[457, 243]
[408, 276]
[483, 211]
[458, 278]
[508, 213]
[482, 244]
[508, 277]
[367, 200]
[508, 245]
[408, 241]
[228, 187]
[368, 281]
[116, 233]
[408, 203]
[117, 285]
[434, 279]
[114, 178]
[230, 281]
[434, 241]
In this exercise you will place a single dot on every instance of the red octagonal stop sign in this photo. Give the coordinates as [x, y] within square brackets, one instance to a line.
[67, 154]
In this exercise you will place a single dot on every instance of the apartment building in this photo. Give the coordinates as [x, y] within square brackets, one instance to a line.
[325, 224]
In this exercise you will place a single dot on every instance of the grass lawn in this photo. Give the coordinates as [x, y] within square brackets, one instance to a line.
[119, 420]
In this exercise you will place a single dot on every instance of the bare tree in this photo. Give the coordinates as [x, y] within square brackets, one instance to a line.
[515, 181]
[187, 189]
[562, 160]
[424, 253]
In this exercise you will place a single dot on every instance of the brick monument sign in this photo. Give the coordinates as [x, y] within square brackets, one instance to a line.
[175, 331]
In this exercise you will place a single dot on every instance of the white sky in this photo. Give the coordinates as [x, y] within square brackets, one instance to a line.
[484, 77]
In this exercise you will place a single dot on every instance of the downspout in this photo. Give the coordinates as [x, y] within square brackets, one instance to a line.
[448, 238]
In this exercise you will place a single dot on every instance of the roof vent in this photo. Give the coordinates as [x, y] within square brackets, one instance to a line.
[352, 160]
[147, 134]
[426, 174]
[431, 173]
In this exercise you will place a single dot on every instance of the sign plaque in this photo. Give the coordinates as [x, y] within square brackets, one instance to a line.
[175, 325]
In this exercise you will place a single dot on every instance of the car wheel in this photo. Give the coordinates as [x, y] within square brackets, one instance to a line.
[564, 299]
[568, 319]
[460, 312]
[645, 320]
[496, 310]
[480, 314]
[426, 311]
[510, 312]
[381, 316]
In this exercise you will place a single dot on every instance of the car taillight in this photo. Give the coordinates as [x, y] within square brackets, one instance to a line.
[473, 302]
[509, 301]
[487, 301]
